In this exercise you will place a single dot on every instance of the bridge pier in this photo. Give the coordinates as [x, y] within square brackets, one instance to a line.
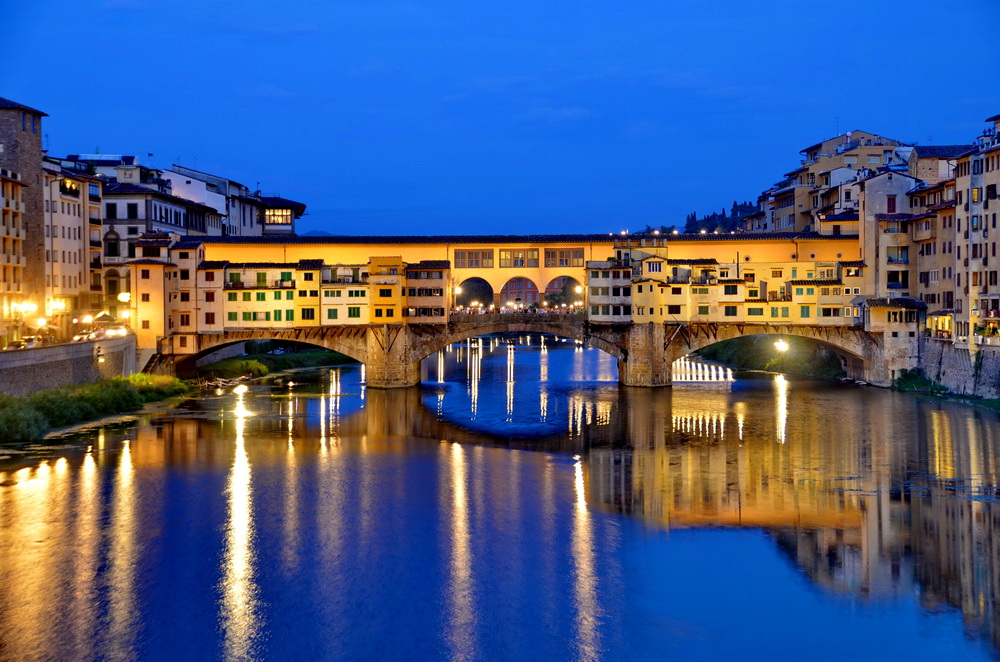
[647, 361]
[390, 360]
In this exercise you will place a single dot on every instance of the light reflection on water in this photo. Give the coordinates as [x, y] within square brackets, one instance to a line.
[428, 523]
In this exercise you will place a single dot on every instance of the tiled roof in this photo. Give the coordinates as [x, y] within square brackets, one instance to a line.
[7, 103]
[731, 281]
[310, 264]
[263, 265]
[943, 311]
[417, 239]
[813, 281]
[159, 263]
[696, 262]
[213, 264]
[852, 263]
[430, 264]
[841, 216]
[940, 151]
[893, 217]
[152, 242]
[900, 302]
[281, 203]
[750, 236]
[948, 204]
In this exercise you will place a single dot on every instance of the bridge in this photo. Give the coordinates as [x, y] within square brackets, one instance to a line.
[645, 352]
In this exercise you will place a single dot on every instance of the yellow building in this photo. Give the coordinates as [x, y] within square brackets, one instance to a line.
[12, 296]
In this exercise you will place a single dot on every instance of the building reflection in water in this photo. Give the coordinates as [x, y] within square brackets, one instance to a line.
[900, 498]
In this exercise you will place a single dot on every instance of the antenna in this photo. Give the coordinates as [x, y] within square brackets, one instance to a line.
[837, 124]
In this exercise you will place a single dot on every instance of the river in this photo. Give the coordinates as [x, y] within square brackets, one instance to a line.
[519, 505]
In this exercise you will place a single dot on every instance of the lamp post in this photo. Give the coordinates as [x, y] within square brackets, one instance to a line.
[125, 298]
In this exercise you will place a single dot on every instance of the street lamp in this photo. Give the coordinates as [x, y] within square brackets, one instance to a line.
[781, 345]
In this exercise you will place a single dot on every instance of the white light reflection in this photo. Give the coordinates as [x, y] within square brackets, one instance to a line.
[461, 598]
[584, 577]
[510, 383]
[239, 592]
[781, 394]
[440, 368]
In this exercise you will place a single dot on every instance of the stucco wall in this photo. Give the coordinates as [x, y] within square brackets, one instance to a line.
[28, 370]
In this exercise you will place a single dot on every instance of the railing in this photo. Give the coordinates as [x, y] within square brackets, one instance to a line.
[71, 191]
[896, 286]
[898, 260]
[95, 264]
[538, 315]
[346, 280]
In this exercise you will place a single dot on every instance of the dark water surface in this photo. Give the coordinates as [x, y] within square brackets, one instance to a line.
[517, 506]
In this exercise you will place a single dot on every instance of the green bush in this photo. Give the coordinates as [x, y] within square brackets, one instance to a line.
[31, 417]
[916, 380]
[258, 365]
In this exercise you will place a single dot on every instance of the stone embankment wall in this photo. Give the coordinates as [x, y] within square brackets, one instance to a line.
[24, 371]
[961, 371]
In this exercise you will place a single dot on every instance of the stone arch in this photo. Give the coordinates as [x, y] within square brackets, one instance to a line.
[348, 342]
[564, 289]
[854, 347]
[519, 290]
[609, 342]
[475, 290]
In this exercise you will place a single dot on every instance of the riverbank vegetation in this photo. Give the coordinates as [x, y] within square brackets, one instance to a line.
[915, 381]
[29, 418]
[261, 360]
[802, 358]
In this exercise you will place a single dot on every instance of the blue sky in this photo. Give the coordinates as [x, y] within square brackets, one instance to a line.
[457, 117]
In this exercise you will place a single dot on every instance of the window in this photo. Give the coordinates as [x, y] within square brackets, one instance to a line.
[246, 296]
[185, 319]
[803, 312]
[247, 317]
[261, 296]
[210, 297]
[378, 312]
[209, 318]
[144, 297]
[185, 274]
[289, 315]
[145, 324]
[776, 273]
[308, 313]
[703, 310]
[564, 257]
[132, 210]
[111, 211]
[308, 275]
[755, 312]
[286, 276]
[355, 293]
[289, 295]
[231, 296]
[730, 290]
[209, 276]
[277, 295]
[277, 315]
[331, 314]
[390, 312]
[185, 296]
[890, 204]
[354, 311]
[729, 311]
[673, 310]
[385, 292]
[654, 267]
[144, 274]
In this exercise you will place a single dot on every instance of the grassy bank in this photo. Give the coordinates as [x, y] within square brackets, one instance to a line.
[260, 364]
[803, 358]
[29, 418]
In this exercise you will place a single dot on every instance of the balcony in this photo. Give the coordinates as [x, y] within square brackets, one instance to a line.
[95, 264]
[897, 286]
[95, 243]
[69, 190]
[897, 260]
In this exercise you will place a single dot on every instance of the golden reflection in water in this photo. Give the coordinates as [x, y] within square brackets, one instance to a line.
[461, 598]
[87, 545]
[239, 592]
[290, 521]
[543, 363]
[781, 395]
[584, 576]
[440, 368]
[741, 415]
[942, 459]
[122, 607]
[578, 366]
[543, 404]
